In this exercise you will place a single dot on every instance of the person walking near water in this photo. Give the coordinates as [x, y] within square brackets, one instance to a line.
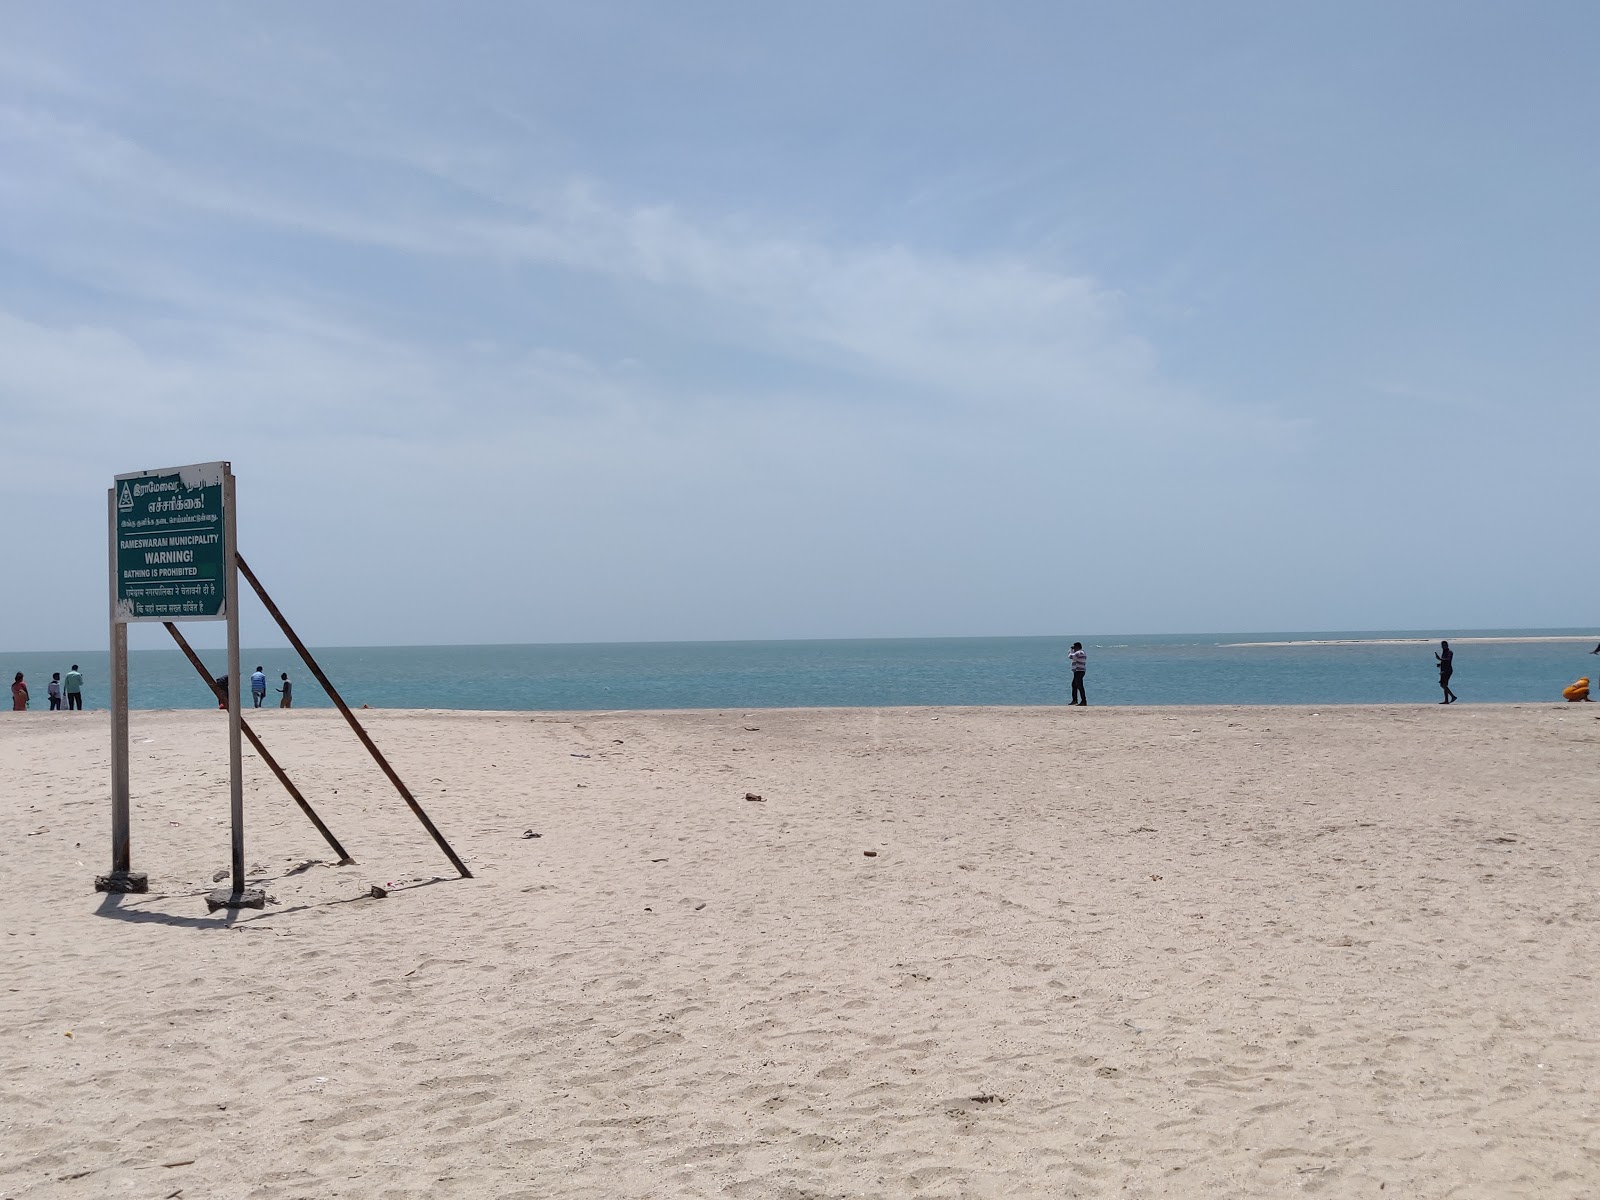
[1080, 663]
[258, 686]
[19, 694]
[1446, 661]
[53, 690]
[286, 691]
[72, 685]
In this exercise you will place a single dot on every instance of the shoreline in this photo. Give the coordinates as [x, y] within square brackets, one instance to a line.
[305, 711]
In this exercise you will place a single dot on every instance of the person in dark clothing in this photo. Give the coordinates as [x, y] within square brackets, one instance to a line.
[1446, 661]
[286, 691]
[1080, 663]
[222, 682]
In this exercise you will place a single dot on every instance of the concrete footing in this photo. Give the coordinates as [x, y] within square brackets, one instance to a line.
[122, 881]
[228, 898]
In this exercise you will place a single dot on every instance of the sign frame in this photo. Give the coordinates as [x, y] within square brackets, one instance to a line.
[172, 491]
[170, 557]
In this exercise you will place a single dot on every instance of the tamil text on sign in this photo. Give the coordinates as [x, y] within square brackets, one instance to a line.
[171, 555]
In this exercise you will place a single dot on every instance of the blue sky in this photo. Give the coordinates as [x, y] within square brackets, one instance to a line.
[596, 321]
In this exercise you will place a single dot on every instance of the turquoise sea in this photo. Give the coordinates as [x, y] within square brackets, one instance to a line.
[1366, 668]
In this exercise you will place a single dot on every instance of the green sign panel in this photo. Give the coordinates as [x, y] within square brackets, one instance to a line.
[171, 553]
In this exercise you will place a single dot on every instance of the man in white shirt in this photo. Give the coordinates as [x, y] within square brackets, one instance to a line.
[1080, 663]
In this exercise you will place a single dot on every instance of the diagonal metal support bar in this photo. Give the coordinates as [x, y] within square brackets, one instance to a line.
[244, 726]
[338, 701]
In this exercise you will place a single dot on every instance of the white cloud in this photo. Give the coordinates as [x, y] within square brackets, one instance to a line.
[984, 328]
[981, 330]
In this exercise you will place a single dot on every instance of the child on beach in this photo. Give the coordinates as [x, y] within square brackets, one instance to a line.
[286, 691]
[53, 690]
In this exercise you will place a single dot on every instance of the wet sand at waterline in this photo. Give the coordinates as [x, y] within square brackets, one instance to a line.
[1176, 952]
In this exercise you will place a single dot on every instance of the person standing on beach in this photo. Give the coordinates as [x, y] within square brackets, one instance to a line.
[1080, 664]
[53, 690]
[258, 686]
[1446, 661]
[19, 694]
[286, 691]
[72, 685]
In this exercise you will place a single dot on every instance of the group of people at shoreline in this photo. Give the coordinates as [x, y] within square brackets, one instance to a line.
[68, 692]
[258, 689]
[59, 691]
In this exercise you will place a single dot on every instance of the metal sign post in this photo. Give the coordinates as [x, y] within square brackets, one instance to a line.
[241, 896]
[122, 877]
[173, 550]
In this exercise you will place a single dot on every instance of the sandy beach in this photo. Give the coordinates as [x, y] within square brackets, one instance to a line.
[1231, 952]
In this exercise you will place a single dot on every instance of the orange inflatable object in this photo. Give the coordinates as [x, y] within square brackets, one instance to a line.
[1576, 691]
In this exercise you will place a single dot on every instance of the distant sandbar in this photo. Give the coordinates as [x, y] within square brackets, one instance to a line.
[1420, 641]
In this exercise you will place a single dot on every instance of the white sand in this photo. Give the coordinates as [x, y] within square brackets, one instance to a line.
[1188, 953]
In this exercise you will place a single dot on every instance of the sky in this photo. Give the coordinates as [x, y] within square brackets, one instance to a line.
[605, 321]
